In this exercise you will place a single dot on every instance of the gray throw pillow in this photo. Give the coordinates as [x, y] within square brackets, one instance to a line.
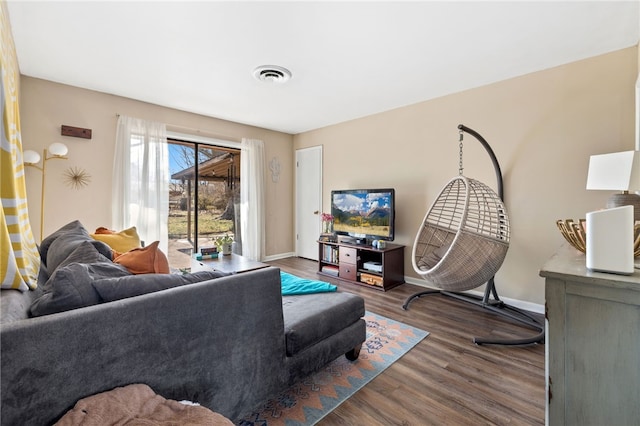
[65, 244]
[69, 287]
[74, 227]
[84, 252]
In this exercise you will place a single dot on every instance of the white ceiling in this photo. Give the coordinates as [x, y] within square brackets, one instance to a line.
[348, 59]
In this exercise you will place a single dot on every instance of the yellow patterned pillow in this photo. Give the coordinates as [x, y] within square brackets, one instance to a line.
[121, 242]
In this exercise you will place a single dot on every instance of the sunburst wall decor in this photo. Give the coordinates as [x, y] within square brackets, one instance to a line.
[76, 177]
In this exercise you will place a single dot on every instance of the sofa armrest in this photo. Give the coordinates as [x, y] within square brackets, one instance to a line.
[219, 342]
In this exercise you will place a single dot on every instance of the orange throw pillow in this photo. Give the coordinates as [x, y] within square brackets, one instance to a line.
[103, 230]
[144, 260]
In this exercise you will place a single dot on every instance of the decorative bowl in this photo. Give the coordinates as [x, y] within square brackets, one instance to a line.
[575, 234]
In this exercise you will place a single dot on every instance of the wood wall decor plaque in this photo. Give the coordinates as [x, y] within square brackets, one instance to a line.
[76, 132]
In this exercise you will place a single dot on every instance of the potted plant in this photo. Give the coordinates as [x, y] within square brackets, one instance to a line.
[224, 244]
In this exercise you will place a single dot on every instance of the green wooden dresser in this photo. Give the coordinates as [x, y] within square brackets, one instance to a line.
[593, 343]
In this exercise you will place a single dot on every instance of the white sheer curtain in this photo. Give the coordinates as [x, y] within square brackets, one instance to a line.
[141, 179]
[252, 170]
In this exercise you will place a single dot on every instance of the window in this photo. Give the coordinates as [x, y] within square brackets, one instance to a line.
[204, 190]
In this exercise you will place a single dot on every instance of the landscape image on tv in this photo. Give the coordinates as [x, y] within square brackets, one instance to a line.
[362, 213]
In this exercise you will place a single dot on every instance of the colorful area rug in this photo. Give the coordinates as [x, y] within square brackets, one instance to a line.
[309, 400]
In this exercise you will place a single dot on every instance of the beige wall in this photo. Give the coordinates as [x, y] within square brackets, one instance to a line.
[45, 106]
[542, 127]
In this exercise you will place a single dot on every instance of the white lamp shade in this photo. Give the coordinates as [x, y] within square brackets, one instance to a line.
[30, 157]
[619, 171]
[58, 149]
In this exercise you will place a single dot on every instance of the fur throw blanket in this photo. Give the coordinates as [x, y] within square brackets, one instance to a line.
[138, 405]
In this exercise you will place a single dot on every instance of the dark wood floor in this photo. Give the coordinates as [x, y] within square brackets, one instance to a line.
[446, 379]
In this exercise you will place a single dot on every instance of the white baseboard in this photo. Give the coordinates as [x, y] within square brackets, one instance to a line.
[520, 304]
[278, 256]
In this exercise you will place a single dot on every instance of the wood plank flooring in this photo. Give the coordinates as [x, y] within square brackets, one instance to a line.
[446, 379]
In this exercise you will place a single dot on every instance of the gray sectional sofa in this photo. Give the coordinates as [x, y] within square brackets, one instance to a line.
[227, 342]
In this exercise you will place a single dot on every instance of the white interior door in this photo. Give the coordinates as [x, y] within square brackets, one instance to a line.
[308, 201]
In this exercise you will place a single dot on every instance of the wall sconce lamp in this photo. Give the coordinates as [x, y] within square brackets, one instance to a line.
[31, 158]
[619, 171]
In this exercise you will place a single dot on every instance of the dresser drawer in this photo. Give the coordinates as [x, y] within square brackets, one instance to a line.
[348, 271]
[348, 255]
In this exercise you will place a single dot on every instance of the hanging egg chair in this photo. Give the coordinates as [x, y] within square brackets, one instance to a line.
[463, 241]
[464, 236]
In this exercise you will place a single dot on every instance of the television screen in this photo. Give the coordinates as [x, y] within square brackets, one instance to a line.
[364, 213]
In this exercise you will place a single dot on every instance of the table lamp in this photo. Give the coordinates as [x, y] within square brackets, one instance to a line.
[618, 171]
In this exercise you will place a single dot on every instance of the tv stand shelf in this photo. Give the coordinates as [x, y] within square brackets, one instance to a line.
[346, 261]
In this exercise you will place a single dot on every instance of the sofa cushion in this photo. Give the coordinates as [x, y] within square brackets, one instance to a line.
[311, 318]
[14, 304]
[117, 288]
[121, 241]
[144, 260]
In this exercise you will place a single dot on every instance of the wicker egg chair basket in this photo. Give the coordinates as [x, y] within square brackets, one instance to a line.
[464, 236]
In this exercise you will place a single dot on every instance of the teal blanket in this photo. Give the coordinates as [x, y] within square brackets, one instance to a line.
[295, 285]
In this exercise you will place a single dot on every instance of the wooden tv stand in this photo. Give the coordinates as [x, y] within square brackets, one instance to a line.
[347, 263]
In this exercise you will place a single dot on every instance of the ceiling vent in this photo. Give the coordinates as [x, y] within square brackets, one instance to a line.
[272, 74]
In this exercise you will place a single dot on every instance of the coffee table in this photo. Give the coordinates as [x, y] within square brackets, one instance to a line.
[232, 264]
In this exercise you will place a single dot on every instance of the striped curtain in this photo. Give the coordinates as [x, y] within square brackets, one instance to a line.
[19, 258]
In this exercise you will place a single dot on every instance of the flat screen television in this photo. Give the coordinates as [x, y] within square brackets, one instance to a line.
[364, 214]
